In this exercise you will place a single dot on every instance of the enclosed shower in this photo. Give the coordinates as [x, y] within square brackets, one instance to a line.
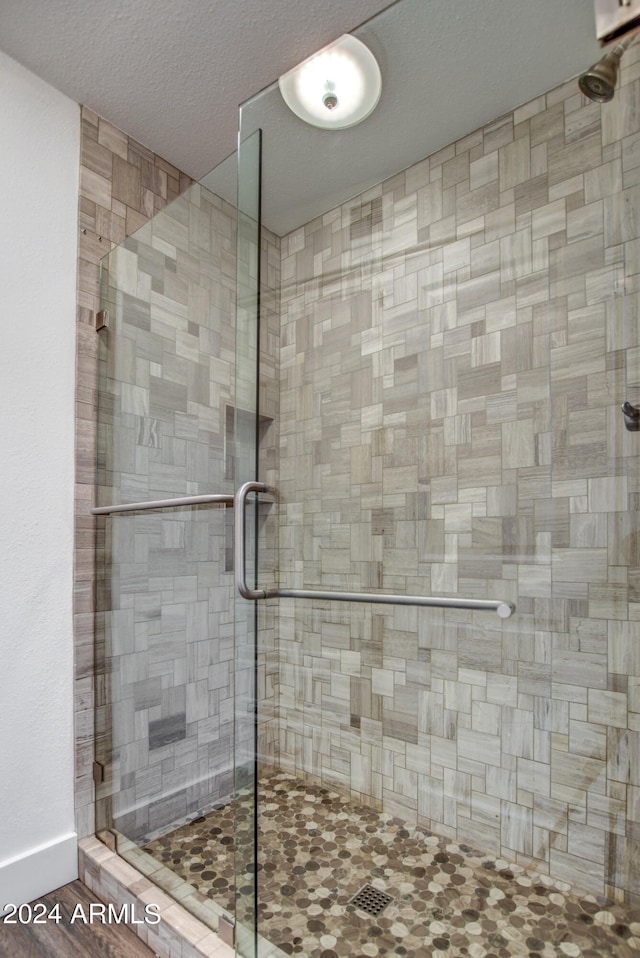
[368, 676]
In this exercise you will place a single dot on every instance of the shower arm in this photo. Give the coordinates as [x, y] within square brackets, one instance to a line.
[625, 42]
[504, 609]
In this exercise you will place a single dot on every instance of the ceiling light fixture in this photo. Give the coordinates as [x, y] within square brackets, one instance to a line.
[335, 88]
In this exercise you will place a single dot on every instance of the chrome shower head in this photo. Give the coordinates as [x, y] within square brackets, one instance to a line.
[599, 83]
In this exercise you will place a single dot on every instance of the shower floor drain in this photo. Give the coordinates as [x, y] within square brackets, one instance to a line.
[371, 900]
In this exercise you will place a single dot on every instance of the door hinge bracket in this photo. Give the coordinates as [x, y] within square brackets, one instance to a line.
[226, 930]
[102, 319]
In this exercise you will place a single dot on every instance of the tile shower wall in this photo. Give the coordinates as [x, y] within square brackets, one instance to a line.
[168, 423]
[456, 344]
[122, 184]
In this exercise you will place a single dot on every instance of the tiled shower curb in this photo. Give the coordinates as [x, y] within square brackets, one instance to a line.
[177, 935]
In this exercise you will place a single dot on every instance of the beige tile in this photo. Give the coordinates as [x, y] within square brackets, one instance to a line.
[607, 708]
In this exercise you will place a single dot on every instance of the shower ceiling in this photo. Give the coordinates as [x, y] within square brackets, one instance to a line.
[171, 74]
[448, 67]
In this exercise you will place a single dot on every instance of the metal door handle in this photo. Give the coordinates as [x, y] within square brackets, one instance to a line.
[239, 504]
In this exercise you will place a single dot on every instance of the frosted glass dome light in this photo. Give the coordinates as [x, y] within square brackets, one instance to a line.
[335, 88]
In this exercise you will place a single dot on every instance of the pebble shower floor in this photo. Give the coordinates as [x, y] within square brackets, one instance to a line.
[316, 853]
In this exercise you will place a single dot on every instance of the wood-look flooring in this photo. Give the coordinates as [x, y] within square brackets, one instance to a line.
[65, 940]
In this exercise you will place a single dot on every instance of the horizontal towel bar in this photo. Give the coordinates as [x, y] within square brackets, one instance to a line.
[162, 504]
[504, 609]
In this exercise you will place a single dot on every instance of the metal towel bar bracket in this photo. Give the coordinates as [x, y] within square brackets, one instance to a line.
[504, 609]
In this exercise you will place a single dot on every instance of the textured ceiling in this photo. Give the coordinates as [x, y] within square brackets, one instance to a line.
[448, 67]
[171, 73]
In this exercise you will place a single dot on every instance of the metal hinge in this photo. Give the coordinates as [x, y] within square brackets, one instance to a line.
[226, 930]
[108, 838]
[98, 773]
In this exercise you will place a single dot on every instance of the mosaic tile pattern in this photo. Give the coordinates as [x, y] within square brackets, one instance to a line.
[316, 852]
[457, 343]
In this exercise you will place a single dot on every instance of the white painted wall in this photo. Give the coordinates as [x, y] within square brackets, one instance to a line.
[39, 169]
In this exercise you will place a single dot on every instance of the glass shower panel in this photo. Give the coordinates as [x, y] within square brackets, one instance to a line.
[457, 340]
[395, 480]
[394, 410]
[167, 687]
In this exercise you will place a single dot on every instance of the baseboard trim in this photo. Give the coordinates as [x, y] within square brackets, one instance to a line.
[38, 871]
